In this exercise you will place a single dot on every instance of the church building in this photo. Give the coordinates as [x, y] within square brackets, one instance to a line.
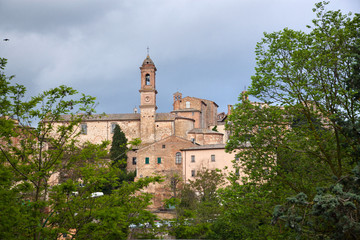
[178, 143]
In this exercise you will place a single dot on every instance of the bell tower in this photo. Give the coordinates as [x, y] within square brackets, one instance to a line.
[147, 101]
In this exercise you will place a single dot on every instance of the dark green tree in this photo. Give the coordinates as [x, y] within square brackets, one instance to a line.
[118, 150]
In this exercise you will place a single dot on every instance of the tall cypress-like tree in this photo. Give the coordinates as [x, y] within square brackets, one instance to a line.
[119, 148]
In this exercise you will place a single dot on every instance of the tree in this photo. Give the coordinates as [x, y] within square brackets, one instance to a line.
[298, 137]
[119, 147]
[49, 181]
[199, 205]
[118, 155]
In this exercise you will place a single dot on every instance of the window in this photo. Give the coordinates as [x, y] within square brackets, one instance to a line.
[187, 104]
[192, 158]
[213, 158]
[237, 172]
[83, 129]
[163, 146]
[159, 160]
[193, 173]
[178, 158]
[147, 160]
[147, 79]
[113, 125]
[134, 161]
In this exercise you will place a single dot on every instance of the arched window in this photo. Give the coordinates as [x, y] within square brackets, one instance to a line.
[187, 104]
[147, 79]
[178, 158]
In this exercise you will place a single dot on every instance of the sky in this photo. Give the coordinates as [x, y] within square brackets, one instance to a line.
[201, 48]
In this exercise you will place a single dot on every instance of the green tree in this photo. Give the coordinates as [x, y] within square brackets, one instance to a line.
[49, 181]
[118, 155]
[118, 150]
[298, 136]
[199, 205]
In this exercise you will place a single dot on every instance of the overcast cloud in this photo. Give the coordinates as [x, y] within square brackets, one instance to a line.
[202, 48]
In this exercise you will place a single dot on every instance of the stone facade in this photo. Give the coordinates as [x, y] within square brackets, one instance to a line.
[163, 158]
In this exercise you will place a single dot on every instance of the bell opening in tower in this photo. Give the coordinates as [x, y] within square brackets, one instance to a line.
[147, 79]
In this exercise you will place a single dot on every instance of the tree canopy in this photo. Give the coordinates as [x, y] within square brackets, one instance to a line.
[304, 131]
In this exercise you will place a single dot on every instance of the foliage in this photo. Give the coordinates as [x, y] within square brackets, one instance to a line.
[246, 210]
[199, 205]
[118, 155]
[333, 213]
[302, 136]
[49, 181]
[119, 147]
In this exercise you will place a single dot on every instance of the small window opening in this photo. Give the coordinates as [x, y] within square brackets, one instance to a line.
[83, 129]
[134, 160]
[192, 158]
[178, 158]
[213, 158]
[147, 160]
[193, 173]
[113, 125]
[147, 79]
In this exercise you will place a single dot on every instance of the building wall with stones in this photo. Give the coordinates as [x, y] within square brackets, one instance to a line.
[205, 136]
[182, 126]
[161, 158]
[98, 128]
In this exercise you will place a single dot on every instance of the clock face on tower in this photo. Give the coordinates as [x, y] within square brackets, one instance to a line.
[147, 99]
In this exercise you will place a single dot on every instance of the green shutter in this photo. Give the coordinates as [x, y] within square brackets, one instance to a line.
[147, 161]
[159, 159]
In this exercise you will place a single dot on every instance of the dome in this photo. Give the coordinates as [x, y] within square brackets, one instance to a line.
[148, 61]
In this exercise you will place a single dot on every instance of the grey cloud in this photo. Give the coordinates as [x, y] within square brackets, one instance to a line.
[204, 48]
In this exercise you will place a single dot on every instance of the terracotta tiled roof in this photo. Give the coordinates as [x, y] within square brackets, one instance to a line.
[107, 117]
[125, 117]
[186, 110]
[204, 100]
[164, 117]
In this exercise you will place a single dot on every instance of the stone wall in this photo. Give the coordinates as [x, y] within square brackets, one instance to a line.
[98, 131]
[163, 129]
[166, 150]
[182, 126]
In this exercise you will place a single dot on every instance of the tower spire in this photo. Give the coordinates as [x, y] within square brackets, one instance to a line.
[147, 51]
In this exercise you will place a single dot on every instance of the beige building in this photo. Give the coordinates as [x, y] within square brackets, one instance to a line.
[210, 157]
[168, 140]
